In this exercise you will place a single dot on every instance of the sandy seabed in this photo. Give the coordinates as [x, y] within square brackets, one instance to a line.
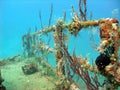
[15, 79]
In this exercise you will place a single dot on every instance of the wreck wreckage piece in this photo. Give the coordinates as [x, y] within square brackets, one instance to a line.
[110, 36]
[59, 54]
[109, 64]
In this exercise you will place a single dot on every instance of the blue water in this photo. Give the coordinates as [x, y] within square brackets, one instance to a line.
[17, 16]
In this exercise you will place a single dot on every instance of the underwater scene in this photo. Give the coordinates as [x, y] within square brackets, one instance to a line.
[59, 45]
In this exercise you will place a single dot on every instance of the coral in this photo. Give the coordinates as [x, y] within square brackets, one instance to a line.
[50, 15]
[83, 12]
